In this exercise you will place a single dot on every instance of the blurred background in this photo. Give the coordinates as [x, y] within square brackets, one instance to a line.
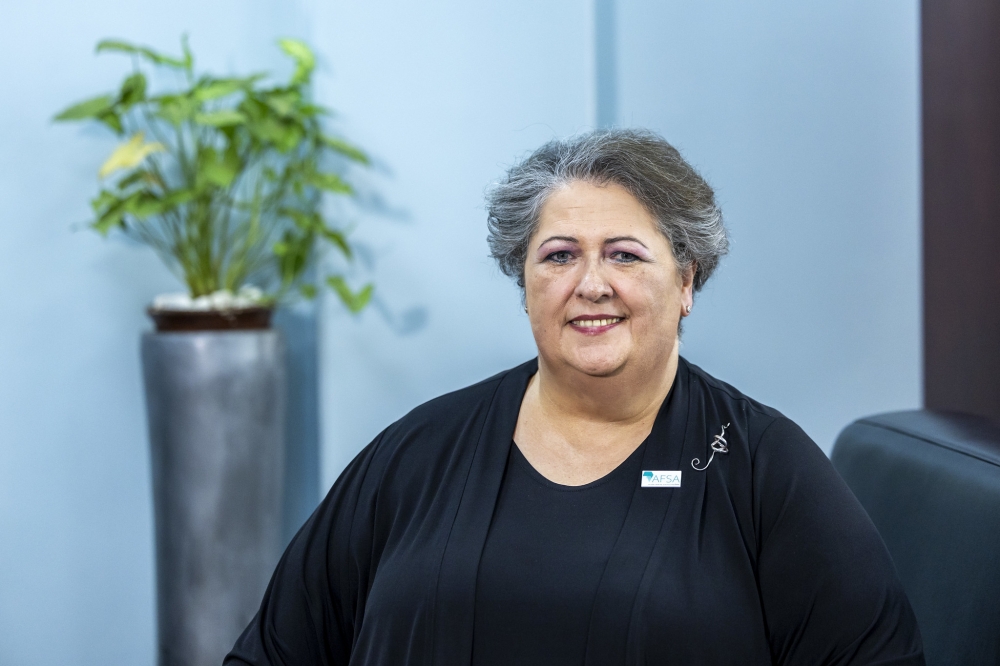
[805, 117]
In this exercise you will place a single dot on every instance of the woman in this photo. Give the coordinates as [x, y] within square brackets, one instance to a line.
[606, 503]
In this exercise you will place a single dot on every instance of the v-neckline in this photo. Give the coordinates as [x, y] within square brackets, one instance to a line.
[519, 458]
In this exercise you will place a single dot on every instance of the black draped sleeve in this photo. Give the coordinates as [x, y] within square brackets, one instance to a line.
[828, 588]
[361, 582]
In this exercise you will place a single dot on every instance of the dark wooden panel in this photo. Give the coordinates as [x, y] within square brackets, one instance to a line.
[960, 47]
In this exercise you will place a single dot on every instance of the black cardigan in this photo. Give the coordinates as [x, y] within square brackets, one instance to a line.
[764, 557]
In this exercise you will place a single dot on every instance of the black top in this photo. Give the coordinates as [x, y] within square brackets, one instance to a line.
[764, 557]
[546, 550]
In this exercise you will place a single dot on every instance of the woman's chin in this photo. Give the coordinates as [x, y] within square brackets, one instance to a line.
[598, 365]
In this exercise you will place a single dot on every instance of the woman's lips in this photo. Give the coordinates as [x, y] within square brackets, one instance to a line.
[595, 325]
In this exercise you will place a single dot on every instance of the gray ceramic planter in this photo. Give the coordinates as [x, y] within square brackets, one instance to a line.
[216, 408]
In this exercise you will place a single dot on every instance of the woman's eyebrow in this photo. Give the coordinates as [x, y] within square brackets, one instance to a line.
[562, 238]
[616, 239]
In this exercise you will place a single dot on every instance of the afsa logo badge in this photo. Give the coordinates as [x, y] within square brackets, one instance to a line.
[661, 479]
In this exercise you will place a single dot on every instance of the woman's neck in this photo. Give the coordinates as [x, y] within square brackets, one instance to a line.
[574, 430]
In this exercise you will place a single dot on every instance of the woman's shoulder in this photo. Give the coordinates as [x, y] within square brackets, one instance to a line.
[432, 431]
[729, 393]
[767, 432]
[455, 408]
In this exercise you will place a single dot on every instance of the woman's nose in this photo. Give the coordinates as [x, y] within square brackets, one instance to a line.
[593, 286]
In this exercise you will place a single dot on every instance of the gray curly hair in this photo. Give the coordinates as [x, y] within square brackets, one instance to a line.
[642, 162]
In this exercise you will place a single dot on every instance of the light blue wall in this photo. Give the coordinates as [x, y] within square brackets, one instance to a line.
[76, 563]
[804, 117]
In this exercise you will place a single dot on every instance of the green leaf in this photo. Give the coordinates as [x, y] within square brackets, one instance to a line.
[108, 221]
[290, 138]
[285, 136]
[177, 198]
[220, 118]
[109, 210]
[304, 221]
[188, 56]
[345, 149]
[133, 90]
[292, 252]
[314, 110]
[219, 170]
[330, 182]
[139, 176]
[312, 222]
[143, 204]
[103, 201]
[308, 290]
[284, 102]
[337, 238]
[176, 109]
[210, 89]
[253, 107]
[112, 120]
[355, 302]
[305, 60]
[143, 51]
[91, 108]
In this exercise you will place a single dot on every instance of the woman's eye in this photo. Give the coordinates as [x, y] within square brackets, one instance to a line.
[624, 257]
[560, 257]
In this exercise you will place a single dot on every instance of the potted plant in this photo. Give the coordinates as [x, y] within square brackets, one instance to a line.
[224, 178]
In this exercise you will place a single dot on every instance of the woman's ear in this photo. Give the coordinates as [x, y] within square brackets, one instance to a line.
[687, 287]
[688, 276]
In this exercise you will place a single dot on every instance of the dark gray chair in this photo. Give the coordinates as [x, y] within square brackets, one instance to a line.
[931, 483]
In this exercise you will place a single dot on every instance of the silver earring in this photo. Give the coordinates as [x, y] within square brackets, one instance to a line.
[687, 310]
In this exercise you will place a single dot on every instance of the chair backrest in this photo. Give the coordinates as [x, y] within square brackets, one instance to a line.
[931, 483]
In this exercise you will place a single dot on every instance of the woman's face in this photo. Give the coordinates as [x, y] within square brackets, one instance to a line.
[602, 288]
